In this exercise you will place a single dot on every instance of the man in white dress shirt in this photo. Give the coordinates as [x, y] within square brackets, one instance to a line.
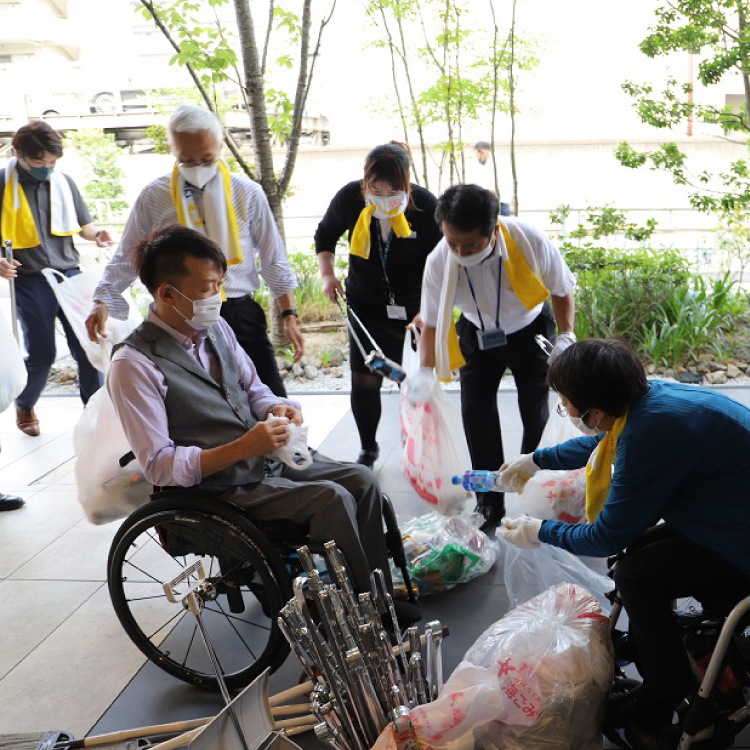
[231, 210]
[503, 275]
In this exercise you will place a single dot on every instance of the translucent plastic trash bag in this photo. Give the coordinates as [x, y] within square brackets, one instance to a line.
[106, 490]
[12, 367]
[560, 495]
[444, 552]
[537, 678]
[74, 295]
[435, 446]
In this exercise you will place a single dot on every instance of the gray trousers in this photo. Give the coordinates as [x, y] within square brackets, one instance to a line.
[339, 501]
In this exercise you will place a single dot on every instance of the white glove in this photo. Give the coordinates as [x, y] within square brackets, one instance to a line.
[515, 474]
[522, 531]
[562, 342]
[419, 387]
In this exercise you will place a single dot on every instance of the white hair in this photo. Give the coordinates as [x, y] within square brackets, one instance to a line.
[188, 118]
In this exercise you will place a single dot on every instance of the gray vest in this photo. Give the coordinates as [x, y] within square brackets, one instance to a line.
[201, 412]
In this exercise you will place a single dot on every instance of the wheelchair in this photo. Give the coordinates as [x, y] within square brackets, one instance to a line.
[249, 569]
[716, 635]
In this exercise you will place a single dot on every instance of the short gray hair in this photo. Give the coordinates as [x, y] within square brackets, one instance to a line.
[188, 118]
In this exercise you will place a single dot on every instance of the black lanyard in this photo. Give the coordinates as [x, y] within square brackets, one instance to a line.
[474, 296]
[384, 250]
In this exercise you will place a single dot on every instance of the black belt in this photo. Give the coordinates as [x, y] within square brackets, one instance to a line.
[237, 300]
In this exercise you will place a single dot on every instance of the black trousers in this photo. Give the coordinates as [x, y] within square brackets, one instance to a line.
[480, 379]
[248, 321]
[660, 567]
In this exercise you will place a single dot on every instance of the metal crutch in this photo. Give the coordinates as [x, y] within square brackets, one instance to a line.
[12, 282]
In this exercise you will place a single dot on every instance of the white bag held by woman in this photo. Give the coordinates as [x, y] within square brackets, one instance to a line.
[435, 446]
[74, 295]
[12, 368]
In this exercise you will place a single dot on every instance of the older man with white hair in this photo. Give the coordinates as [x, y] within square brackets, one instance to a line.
[231, 210]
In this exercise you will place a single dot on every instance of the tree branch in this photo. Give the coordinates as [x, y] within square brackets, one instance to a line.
[267, 40]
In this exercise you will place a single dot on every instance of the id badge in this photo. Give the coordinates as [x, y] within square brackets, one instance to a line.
[491, 339]
[396, 312]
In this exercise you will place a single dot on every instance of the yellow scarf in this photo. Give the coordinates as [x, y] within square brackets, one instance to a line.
[220, 222]
[526, 285]
[16, 219]
[599, 469]
[360, 243]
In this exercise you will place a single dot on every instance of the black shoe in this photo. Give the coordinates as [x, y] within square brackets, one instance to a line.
[369, 457]
[625, 706]
[492, 511]
[653, 737]
[10, 502]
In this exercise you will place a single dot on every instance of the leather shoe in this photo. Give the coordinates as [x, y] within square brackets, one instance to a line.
[492, 511]
[651, 737]
[368, 457]
[27, 422]
[625, 706]
[10, 502]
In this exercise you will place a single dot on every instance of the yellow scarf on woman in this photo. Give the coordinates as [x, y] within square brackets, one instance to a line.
[599, 469]
[360, 243]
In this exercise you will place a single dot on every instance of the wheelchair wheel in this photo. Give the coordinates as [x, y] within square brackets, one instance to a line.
[248, 586]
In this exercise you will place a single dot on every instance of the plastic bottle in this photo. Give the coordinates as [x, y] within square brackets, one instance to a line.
[479, 480]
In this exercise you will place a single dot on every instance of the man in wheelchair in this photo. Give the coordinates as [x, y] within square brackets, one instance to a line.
[680, 456]
[194, 411]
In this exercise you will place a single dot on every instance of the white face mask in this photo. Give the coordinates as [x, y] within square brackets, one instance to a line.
[198, 176]
[583, 427]
[467, 261]
[206, 311]
[388, 206]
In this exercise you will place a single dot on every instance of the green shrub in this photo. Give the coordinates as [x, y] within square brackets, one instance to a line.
[653, 298]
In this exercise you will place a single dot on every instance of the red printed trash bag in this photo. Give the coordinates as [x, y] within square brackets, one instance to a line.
[435, 450]
[537, 678]
[560, 495]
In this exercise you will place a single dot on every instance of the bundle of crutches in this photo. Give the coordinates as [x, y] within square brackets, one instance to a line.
[362, 681]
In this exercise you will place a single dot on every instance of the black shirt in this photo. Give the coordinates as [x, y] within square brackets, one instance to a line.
[365, 284]
[53, 252]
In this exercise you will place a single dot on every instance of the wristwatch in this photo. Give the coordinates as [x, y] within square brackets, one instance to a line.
[290, 311]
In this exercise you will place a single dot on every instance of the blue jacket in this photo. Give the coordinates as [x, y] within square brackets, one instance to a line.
[684, 457]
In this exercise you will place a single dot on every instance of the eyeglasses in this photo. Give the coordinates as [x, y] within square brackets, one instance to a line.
[208, 162]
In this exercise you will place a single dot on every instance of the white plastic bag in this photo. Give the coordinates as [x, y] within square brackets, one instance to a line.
[560, 495]
[296, 452]
[435, 447]
[443, 552]
[528, 572]
[539, 677]
[12, 367]
[106, 490]
[74, 295]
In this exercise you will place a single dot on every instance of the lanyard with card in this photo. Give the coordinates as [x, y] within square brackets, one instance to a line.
[394, 311]
[496, 337]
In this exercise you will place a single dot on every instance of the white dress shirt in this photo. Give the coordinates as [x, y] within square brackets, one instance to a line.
[546, 261]
[259, 238]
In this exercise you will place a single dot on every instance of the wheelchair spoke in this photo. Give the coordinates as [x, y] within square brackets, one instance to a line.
[143, 598]
[164, 625]
[140, 570]
[230, 616]
[190, 645]
[229, 620]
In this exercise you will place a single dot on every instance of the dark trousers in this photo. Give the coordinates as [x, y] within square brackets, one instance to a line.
[37, 310]
[480, 379]
[248, 321]
[659, 568]
[339, 501]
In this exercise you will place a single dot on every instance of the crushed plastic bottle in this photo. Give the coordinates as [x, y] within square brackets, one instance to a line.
[479, 480]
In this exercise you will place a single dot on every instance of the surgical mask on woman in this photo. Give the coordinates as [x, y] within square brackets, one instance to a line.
[388, 206]
[467, 261]
[583, 427]
[200, 175]
[206, 311]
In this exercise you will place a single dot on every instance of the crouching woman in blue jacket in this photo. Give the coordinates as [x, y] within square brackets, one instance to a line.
[655, 452]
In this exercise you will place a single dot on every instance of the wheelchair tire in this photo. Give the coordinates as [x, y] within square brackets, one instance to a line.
[249, 586]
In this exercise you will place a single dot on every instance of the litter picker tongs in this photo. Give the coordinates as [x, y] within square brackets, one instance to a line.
[375, 361]
[13, 308]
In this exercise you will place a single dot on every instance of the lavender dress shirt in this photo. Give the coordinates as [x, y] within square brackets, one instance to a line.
[138, 389]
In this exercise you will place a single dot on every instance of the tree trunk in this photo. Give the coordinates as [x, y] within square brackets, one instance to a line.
[261, 140]
[742, 24]
[512, 92]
